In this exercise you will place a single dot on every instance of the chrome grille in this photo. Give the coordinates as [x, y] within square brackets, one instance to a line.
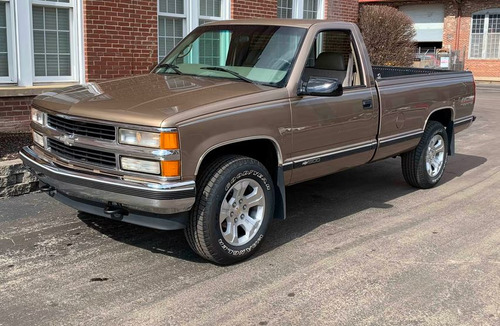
[81, 128]
[80, 154]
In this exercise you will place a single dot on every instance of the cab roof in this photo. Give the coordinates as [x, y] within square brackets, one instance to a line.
[302, 23]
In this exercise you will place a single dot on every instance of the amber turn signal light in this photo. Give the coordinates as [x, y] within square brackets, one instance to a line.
[170, 168]
[169, 140]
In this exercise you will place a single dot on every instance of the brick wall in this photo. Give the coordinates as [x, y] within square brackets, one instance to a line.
[241, 9]
[120, 37]
[344, 10]
[15, 113]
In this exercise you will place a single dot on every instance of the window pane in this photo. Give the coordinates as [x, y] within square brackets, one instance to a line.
[210, 8]
[172, 6]
[476, 46]
[50, 18]
[477, 36]
[38, 18]
[171, 33]
[3, 15]
[494, 24]
[65, 65]
[39, 41]
[203, 8]
[51, 41]
[478, 24]
[493, 47]
[63, 19]
[52, 65]
[285, 8]
[310, 9]
[64, 45]
[4, 65]
[3, 40]
[40, 65]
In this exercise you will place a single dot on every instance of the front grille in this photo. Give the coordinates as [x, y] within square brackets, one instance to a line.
[81, 128]
[80, 154]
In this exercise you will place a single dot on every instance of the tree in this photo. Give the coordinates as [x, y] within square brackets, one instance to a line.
[388, 35]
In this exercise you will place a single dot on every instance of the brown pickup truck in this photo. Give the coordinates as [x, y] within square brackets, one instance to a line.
[238, 110]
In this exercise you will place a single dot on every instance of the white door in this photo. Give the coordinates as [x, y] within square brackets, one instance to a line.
[428, 19]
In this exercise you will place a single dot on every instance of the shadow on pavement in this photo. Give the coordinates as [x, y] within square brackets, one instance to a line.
[309, 205]
[314, 203]
[171, 243]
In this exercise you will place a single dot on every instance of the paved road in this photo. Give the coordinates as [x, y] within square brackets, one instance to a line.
[358, 248]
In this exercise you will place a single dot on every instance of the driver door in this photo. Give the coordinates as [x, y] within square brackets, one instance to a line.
[331, 133]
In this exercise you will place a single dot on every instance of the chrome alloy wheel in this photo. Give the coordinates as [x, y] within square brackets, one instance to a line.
[435, 156]
[242, 212]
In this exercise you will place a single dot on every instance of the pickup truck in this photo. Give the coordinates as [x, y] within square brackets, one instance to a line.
[237, 111]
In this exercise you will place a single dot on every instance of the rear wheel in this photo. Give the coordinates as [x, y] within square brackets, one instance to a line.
[424, 166]
[234, 205]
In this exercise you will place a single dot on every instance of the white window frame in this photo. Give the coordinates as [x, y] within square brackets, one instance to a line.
[11, 36]
[298, 9]
[191, 17]
[486, 13]
[184, 17]
[24, 45]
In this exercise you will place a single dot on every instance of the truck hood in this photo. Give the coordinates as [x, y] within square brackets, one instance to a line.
[150, 99]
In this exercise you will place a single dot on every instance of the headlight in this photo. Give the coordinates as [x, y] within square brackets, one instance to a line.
[164, 140]
[143, 166]
[37, 116]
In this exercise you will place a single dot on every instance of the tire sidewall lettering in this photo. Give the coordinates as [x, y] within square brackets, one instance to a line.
[242, 251]
[248, 173]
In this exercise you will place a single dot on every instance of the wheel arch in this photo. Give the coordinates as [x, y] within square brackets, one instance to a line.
[266, 150]
[445, 116]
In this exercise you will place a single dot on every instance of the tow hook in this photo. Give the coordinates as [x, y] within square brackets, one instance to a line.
[116, 211]
[49, 189]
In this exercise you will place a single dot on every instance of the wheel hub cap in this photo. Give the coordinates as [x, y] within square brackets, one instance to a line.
[242, 212]
[435, 156]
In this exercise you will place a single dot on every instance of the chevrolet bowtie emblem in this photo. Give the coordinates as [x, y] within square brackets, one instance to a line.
[68, 140]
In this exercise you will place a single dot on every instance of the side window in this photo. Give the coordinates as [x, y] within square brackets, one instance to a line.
[333, 55]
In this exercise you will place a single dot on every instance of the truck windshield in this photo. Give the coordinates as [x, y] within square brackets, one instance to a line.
[252, 53]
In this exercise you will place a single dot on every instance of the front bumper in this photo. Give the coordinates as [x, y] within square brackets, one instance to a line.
[145, 204]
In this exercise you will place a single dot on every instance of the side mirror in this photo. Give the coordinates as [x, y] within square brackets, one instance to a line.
[321, 86]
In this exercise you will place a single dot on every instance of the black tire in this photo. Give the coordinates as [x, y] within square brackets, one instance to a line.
[204, 230]
[413, 163]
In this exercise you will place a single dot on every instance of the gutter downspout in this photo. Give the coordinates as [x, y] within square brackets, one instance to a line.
[459, 23]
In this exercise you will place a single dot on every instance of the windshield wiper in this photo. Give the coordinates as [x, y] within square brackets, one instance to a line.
[170, 66]
[234, 73]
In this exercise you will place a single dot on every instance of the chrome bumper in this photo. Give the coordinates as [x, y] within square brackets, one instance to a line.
[73, 187]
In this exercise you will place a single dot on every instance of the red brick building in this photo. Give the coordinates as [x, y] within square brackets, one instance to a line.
[47, 44]
[469, 27]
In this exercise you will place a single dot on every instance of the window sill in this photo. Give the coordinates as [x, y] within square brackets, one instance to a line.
[11, 91]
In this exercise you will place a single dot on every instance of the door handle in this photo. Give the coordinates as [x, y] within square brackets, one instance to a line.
[367, 104]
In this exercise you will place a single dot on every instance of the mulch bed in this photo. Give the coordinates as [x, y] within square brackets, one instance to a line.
[11, 143]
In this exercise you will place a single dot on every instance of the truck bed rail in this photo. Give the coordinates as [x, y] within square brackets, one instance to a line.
[387, 72]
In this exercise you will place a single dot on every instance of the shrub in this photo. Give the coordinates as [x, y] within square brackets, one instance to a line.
[388, 35]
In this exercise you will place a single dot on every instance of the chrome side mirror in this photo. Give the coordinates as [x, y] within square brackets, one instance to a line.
[321, 86]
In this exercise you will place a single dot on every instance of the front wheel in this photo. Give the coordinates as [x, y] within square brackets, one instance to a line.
[424, 166]
[233, 208]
